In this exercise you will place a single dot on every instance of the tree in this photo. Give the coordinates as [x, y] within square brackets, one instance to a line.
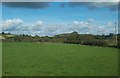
[72, 38]
[3, 33]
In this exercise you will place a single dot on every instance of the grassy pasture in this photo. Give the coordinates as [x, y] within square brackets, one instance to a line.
[0, 59]
[57, 59]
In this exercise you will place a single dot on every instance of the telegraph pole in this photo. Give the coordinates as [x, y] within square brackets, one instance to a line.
[115, 33]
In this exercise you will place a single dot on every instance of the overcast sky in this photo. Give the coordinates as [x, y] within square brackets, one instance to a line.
[51, 18]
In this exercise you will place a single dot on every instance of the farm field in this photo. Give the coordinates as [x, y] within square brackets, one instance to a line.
[0, 59]
[58, 59]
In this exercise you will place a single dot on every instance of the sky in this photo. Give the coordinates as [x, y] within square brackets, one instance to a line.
[52, 18]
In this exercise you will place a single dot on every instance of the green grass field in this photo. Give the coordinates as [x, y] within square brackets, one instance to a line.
[0, 59]
[57, 59]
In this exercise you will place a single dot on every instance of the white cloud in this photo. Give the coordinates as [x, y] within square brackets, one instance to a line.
[17, 26]
[90, 20]
[94, 0]
[76, 22]
[109, 24]
[103, 4]
[90, 26]
[11, 23]
[60, 0]
[37, 26]
[39, 23]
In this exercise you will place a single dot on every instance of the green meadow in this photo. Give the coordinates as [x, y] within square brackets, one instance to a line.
[0, 59]
[58, 59]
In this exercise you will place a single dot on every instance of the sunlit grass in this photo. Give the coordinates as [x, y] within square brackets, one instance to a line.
[53, 59]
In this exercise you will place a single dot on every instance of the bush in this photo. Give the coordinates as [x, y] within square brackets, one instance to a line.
[95, 43]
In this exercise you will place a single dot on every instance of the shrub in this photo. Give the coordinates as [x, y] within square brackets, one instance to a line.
[95, 43]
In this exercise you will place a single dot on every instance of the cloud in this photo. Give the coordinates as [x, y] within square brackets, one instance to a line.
[39, 23]
[40, 5]
[11, 23]
[60, 0]
[52, 29]
[30, 5]
[90, 20]
[17, 26]
[94, 0]
[81, 26]
[89, 27]
[109, 24]
[76, 22]
[94, 5]
[37, 26]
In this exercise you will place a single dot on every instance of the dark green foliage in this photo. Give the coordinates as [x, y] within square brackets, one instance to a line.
[118, 39]
[71, 38]
[95, 42]
[3, 33]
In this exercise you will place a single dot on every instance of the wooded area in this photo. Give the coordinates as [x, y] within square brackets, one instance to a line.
[71, 38]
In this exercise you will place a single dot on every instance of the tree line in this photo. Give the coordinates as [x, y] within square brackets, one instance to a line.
[70, 38]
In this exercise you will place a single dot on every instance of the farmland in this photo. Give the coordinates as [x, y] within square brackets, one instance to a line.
[58, 59]
[0, 59]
